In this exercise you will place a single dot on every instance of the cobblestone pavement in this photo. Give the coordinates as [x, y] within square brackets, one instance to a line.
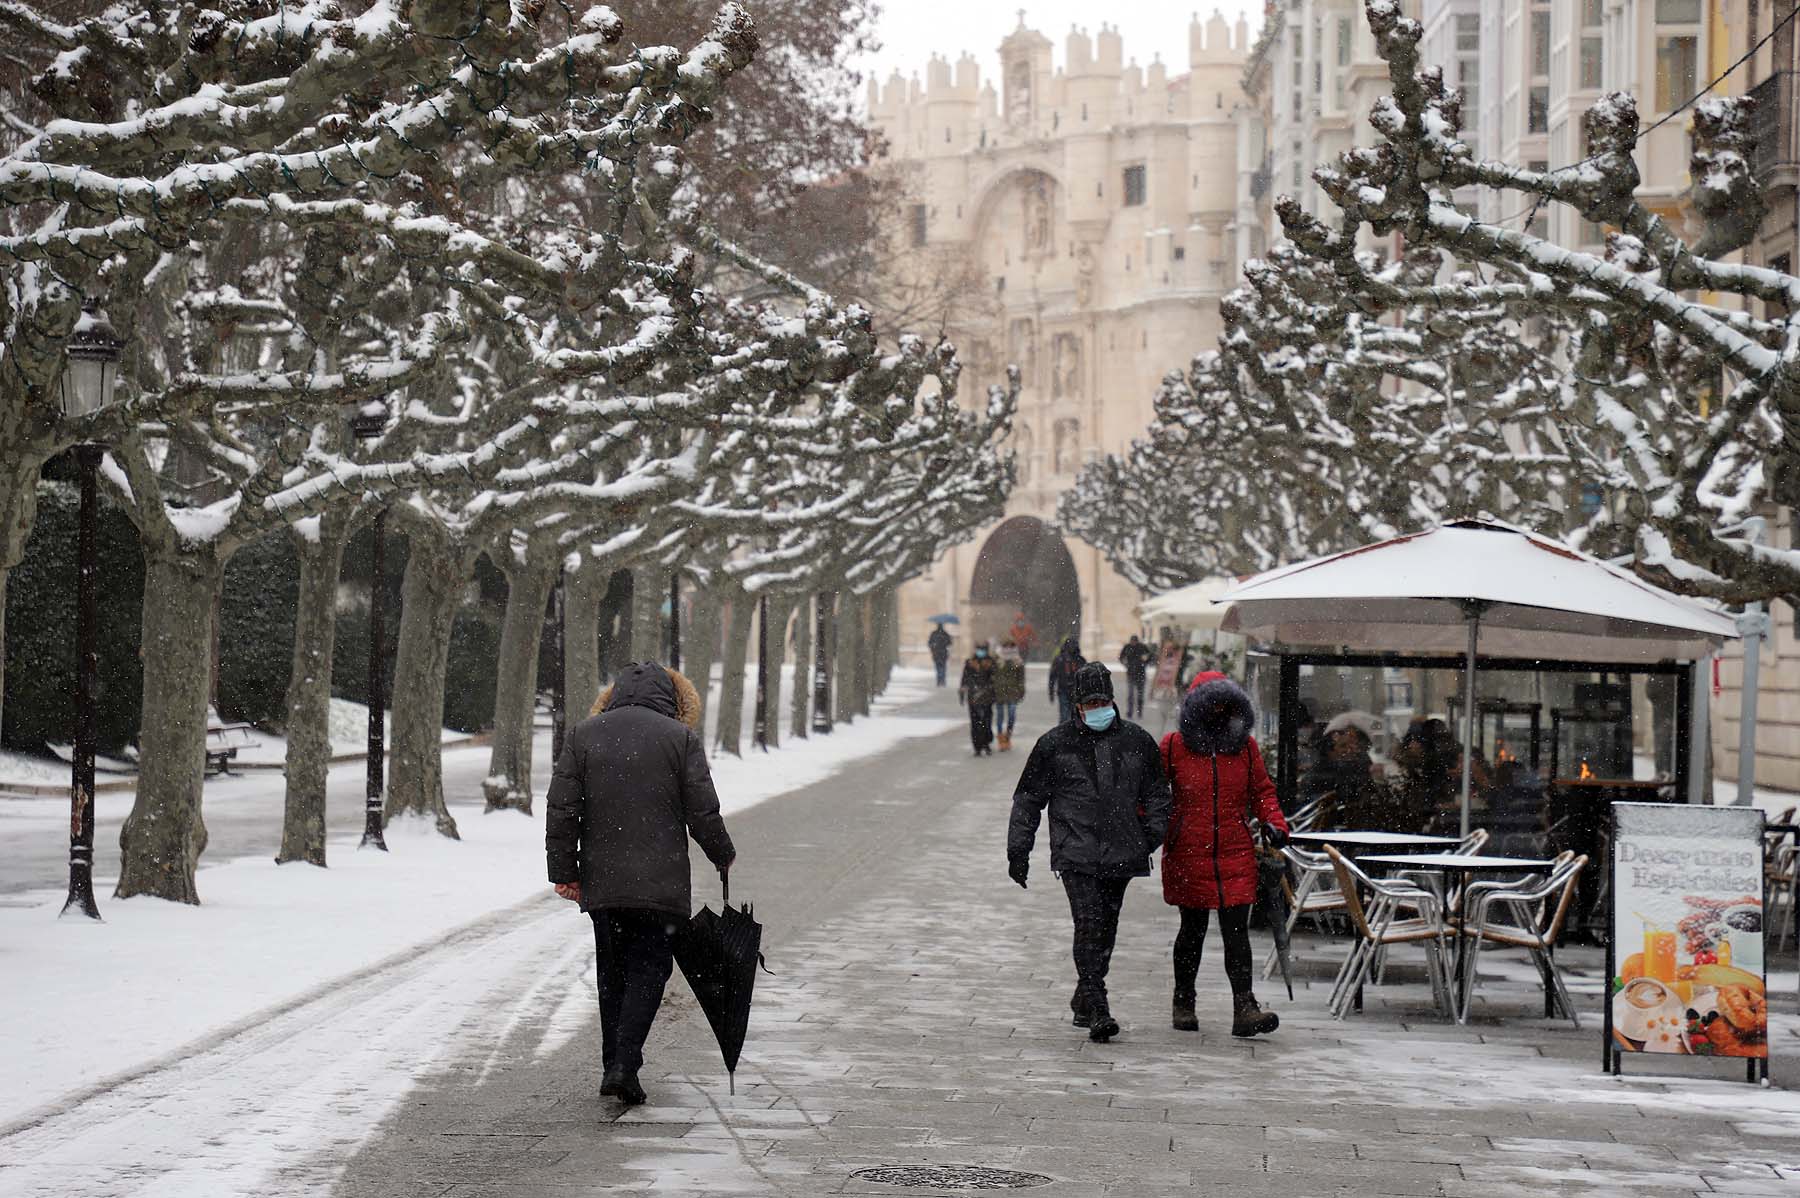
[918, 1015]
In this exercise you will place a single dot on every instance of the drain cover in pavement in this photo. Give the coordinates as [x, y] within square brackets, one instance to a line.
[951, 1177]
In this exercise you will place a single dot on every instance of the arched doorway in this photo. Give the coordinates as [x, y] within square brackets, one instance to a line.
[1024, 566]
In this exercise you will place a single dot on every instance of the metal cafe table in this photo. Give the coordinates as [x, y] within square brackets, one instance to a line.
[1464, 867]
[1353, 844]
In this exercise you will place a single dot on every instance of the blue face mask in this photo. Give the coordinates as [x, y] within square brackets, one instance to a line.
[1100, 719]
[981, 653]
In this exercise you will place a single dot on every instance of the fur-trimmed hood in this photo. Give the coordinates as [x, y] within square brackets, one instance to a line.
[684, 702]
[1207, 690]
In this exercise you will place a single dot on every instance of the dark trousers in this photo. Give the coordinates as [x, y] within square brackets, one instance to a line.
[636, 952]
[1065, 707]
[981, 724]
[1134, 696]
[1006, 715]
[1234, 926]
[1094, 905]
[943, 668]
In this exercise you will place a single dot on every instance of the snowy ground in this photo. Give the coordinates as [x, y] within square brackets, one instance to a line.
[156, 979]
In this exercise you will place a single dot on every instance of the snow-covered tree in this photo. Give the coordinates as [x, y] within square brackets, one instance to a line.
[1682, 383]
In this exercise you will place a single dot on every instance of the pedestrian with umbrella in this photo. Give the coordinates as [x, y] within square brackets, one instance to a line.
[1221, 789]
[1109, 806]
[631, 786]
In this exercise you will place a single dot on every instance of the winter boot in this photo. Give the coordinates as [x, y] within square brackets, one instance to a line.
[1184, 1019]
[622, 1086]
[1101, 1025]
[1249, 1019]
[1079, 1007]
[1005, 742]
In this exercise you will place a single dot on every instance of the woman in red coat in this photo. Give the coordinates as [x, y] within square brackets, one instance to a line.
[1220, 784]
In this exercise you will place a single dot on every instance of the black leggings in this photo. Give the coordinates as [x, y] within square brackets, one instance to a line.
[1234, 926]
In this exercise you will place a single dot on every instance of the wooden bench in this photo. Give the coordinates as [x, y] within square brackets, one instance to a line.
[224, 740]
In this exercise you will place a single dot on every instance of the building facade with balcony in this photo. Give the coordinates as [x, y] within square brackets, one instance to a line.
[1092, 205]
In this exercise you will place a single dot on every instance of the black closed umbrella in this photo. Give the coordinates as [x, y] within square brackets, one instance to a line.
[1271, 898]
[718, 955]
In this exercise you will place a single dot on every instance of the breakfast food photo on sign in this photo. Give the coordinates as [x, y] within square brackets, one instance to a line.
[1687, 926]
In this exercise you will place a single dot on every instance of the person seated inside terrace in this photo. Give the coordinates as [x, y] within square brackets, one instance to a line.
[1344, 775]
[1430, 763]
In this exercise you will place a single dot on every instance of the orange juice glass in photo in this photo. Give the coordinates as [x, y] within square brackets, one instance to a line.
[1659, 954]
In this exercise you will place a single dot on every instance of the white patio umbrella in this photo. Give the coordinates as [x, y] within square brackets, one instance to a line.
[1192, 606]
[1475, 586]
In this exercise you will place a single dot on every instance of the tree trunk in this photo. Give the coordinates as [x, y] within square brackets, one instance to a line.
[731, 688]
[649, 590]
[508, 784]
[849, 638]
[889, 609]
[309, 690]
[582, 592]
[780, 608]
[700, 646]
[164, 835]
[865, 644]
[428, 600]
[800, 702]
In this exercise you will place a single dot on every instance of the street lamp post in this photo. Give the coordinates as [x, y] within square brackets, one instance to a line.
[367, 422]
[822, 662]
[675, 619]
[762, 674]
[559, 693]
[88, 382]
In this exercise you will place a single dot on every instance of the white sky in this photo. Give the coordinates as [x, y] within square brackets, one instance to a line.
[910, 30]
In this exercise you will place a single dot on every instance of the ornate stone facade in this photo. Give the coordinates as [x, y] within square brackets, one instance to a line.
[1095, 203]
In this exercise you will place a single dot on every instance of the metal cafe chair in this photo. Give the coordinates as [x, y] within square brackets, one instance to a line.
[1782, 887]
[1377, 927]
[1313, 896]
[1539, 907]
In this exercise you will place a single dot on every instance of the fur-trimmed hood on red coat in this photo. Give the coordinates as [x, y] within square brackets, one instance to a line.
[1207, 692]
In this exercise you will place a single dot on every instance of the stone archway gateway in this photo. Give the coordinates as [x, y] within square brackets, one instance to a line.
[1024, 566]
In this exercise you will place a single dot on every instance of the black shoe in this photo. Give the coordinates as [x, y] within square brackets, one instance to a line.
[1184, 1019]
[1078, 1007]
[1249, 1019]
[1101, 1025]
[623, 1086]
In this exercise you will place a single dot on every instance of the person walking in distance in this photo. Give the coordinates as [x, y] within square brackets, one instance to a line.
[631, 786]
[1009, 692]
[1220, 787]
[1023, 635]
[977, 690]
[939, 645]
[1103, 783]
[1135, 657]
[1063, 667]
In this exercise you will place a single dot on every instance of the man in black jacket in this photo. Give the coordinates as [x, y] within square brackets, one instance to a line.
[1102, 779]
[631, 785]
[1135, 657]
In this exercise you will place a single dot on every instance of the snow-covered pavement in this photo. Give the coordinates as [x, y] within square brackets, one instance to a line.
[89, 1007]
[916, 1015]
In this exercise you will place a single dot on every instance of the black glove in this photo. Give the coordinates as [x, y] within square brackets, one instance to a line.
[1018, 869]
[1274, 837]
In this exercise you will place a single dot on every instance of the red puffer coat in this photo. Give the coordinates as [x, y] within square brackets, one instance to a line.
[1218, 779]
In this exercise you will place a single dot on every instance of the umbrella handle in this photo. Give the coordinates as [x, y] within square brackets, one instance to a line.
[725, 881]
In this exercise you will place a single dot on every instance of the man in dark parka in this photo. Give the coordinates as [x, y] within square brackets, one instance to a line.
[1102, 779]
[630, 787]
